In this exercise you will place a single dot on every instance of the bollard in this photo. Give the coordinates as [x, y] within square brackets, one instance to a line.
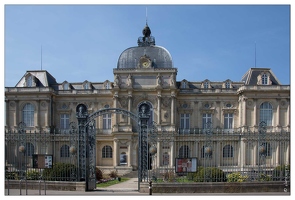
[150, 188]
[20, 187]
[39, 187]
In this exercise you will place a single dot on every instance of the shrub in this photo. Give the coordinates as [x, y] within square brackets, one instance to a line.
[98, 173]
[60, 172]
[263, 177]
[169, 176]
[209, 174]
[33, 175]
[236, 177]
[279, 172]
[113, 174]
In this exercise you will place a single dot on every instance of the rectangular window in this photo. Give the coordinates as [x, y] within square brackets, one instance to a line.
[228, 121]
[107, 121]
[206, 118]
[64, 121]
[184, 121]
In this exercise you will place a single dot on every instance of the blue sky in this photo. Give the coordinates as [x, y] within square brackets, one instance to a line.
[84, 42]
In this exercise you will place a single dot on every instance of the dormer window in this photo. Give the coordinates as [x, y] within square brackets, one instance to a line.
[66, 86]
[30, 81]
[227, 84]
[107, 85]
[264, 78]
[184, 84]
[206, 85]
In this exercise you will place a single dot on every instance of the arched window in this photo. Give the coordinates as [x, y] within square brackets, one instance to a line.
[28, 115]
[107, 152]
[228, 151]
[266, 113]
[65, 151]
[183, 152]
[29, 149]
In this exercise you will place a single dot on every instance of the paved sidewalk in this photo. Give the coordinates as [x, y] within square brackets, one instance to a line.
[130, 185]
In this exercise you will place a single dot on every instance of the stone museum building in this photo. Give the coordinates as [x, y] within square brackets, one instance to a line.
[182, 110]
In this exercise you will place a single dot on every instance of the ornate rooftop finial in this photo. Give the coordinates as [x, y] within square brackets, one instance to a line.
[146, 31]
[147, 39]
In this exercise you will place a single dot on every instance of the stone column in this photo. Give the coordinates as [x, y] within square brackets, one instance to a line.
[129, 105]
[17, 114]
[38, 114]
[115, 154]
[218, 156]
[115, 99]
[255, 112]
[172, 109]
[244, 101]
[159, 107]
[129, 159]
[241, 162]
[278, 113]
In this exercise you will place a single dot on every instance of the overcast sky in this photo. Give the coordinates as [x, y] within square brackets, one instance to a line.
[84, 42]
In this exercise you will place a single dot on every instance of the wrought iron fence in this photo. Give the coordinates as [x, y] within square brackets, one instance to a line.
[212, 155]
[41, 155]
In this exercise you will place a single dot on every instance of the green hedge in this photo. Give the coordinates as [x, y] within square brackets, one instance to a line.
[60, 172]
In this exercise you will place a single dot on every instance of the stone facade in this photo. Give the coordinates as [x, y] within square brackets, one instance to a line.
[179, 106]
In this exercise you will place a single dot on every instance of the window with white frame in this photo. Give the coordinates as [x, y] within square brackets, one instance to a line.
[28, 115]
[207, 117]
[66, 86]
[184, 121]
[107, 85]
[206, 85]
[264, 79]
[29, 81]
[228, 121]
[227, 84]
[65, 151]
[107, 121]
[266, 113]
[183, 84]
[107, 152]
[64, 121]
[86, 86]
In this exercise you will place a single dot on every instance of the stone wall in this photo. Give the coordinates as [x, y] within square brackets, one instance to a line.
[218, 187]
[41, 185]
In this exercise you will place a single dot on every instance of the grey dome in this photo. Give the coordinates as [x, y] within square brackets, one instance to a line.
[159, 56]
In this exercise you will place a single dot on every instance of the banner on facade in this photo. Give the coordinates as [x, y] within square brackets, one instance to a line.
[42, 161]
[184, 165]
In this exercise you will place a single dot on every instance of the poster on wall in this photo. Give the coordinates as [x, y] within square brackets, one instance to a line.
[184, 165]
[42, 161]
